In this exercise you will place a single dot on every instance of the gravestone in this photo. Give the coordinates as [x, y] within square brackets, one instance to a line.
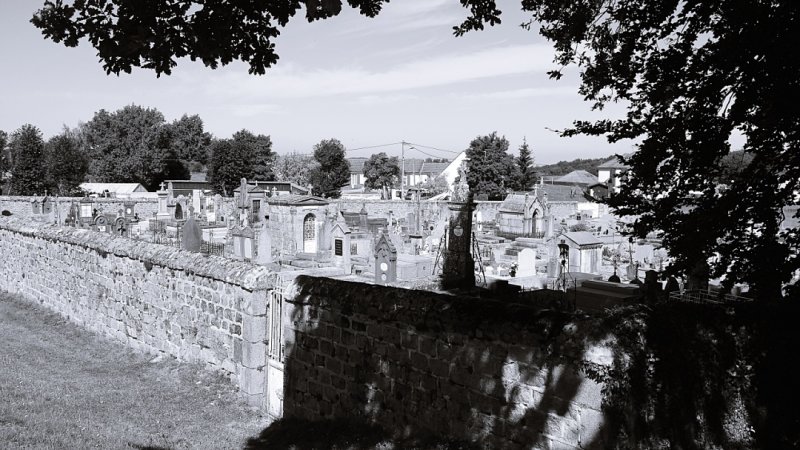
[163, 204]
[340, 238]
[526, 262]
[385, 260]
[243, 243]
[36, 206]
[192, 234]
[264, 253]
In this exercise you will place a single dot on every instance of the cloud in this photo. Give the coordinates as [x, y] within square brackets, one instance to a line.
[371, 100]
[515, 94]
[292, 81]
[250, 110]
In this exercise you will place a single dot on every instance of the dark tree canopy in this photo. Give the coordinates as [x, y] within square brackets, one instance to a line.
[693, 73]
[381, 172]
[690, 72]
[189, 141]
[131, 145]
[333, 171]
[226, 166]
[490, 168]
[28, 174]
[5, 158]
[66, 164]
[258, 151]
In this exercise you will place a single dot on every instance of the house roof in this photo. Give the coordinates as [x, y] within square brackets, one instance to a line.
[514, 203]
[117, 188]
[297, 200]
[560, 193]
[412, 165]
[613, 163]
[577, 177]
[582, 238]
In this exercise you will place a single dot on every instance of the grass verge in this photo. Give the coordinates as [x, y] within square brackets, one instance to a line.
[62, 387]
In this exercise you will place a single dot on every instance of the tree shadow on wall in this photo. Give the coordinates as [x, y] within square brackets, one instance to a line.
[502, 374]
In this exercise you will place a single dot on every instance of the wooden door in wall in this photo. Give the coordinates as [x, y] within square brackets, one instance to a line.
[275, 355]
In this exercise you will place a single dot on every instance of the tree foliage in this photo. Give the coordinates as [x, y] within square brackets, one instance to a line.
[258, 154]
[5, 158]
[525, 175]
[294, 167]
[66, 163]
[490, 168]
[693, 73]
[333, 171]
[226, 166]
[435, 185]
[28, 173]
[189, 141]
[154, 34]
[132, 145]
[381, 172]
[564, 167]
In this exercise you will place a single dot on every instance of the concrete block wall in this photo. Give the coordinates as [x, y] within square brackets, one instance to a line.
[150, 297]
[423, 362]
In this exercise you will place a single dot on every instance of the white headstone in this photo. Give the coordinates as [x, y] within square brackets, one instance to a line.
[264, 254]
[526, 262]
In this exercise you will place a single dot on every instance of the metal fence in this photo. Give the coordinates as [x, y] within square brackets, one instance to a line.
[698, 296]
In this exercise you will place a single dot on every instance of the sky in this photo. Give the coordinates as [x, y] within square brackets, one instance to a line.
[402, 76]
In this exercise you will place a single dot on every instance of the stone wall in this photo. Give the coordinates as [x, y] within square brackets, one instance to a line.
[20, 207]
[150, 297]
[423, 362]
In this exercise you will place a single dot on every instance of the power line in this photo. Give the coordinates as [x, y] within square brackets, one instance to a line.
[432, 148]
[372, 146]
[426, 153]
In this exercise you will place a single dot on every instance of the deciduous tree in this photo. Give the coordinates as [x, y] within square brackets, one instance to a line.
[132, 145]
[333, 171]
[28, 173]
[294, 167]
[66, 163]
[381, 172]
[5, 158]
[226, 166]
[189, 141]
[490, 167]
[257, 151]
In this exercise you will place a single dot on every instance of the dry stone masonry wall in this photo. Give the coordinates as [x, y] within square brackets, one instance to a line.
[150, 297]
[20, 207]
[423, 362]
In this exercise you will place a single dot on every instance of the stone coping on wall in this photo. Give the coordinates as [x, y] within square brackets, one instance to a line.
[28, 198]
[426, 311]
[248, 276]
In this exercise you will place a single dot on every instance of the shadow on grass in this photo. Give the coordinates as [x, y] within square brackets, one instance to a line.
[340, 434]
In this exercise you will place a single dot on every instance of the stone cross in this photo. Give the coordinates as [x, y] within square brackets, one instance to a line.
[243, 203]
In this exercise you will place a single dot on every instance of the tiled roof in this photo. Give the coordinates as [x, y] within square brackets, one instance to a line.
[613, 163]
[560, 193]
[577, 177]
[297, 200]
[117, 188]
[583, 238]
[412, 165]
[513, 203]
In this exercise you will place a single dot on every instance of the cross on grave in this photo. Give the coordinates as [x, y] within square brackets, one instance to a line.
[163, 186]
[243, 203]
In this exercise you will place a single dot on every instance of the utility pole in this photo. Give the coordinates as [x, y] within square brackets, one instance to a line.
[402, 168]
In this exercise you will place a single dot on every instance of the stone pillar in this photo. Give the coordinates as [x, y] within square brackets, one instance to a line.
[253, 354]
[459, 268]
